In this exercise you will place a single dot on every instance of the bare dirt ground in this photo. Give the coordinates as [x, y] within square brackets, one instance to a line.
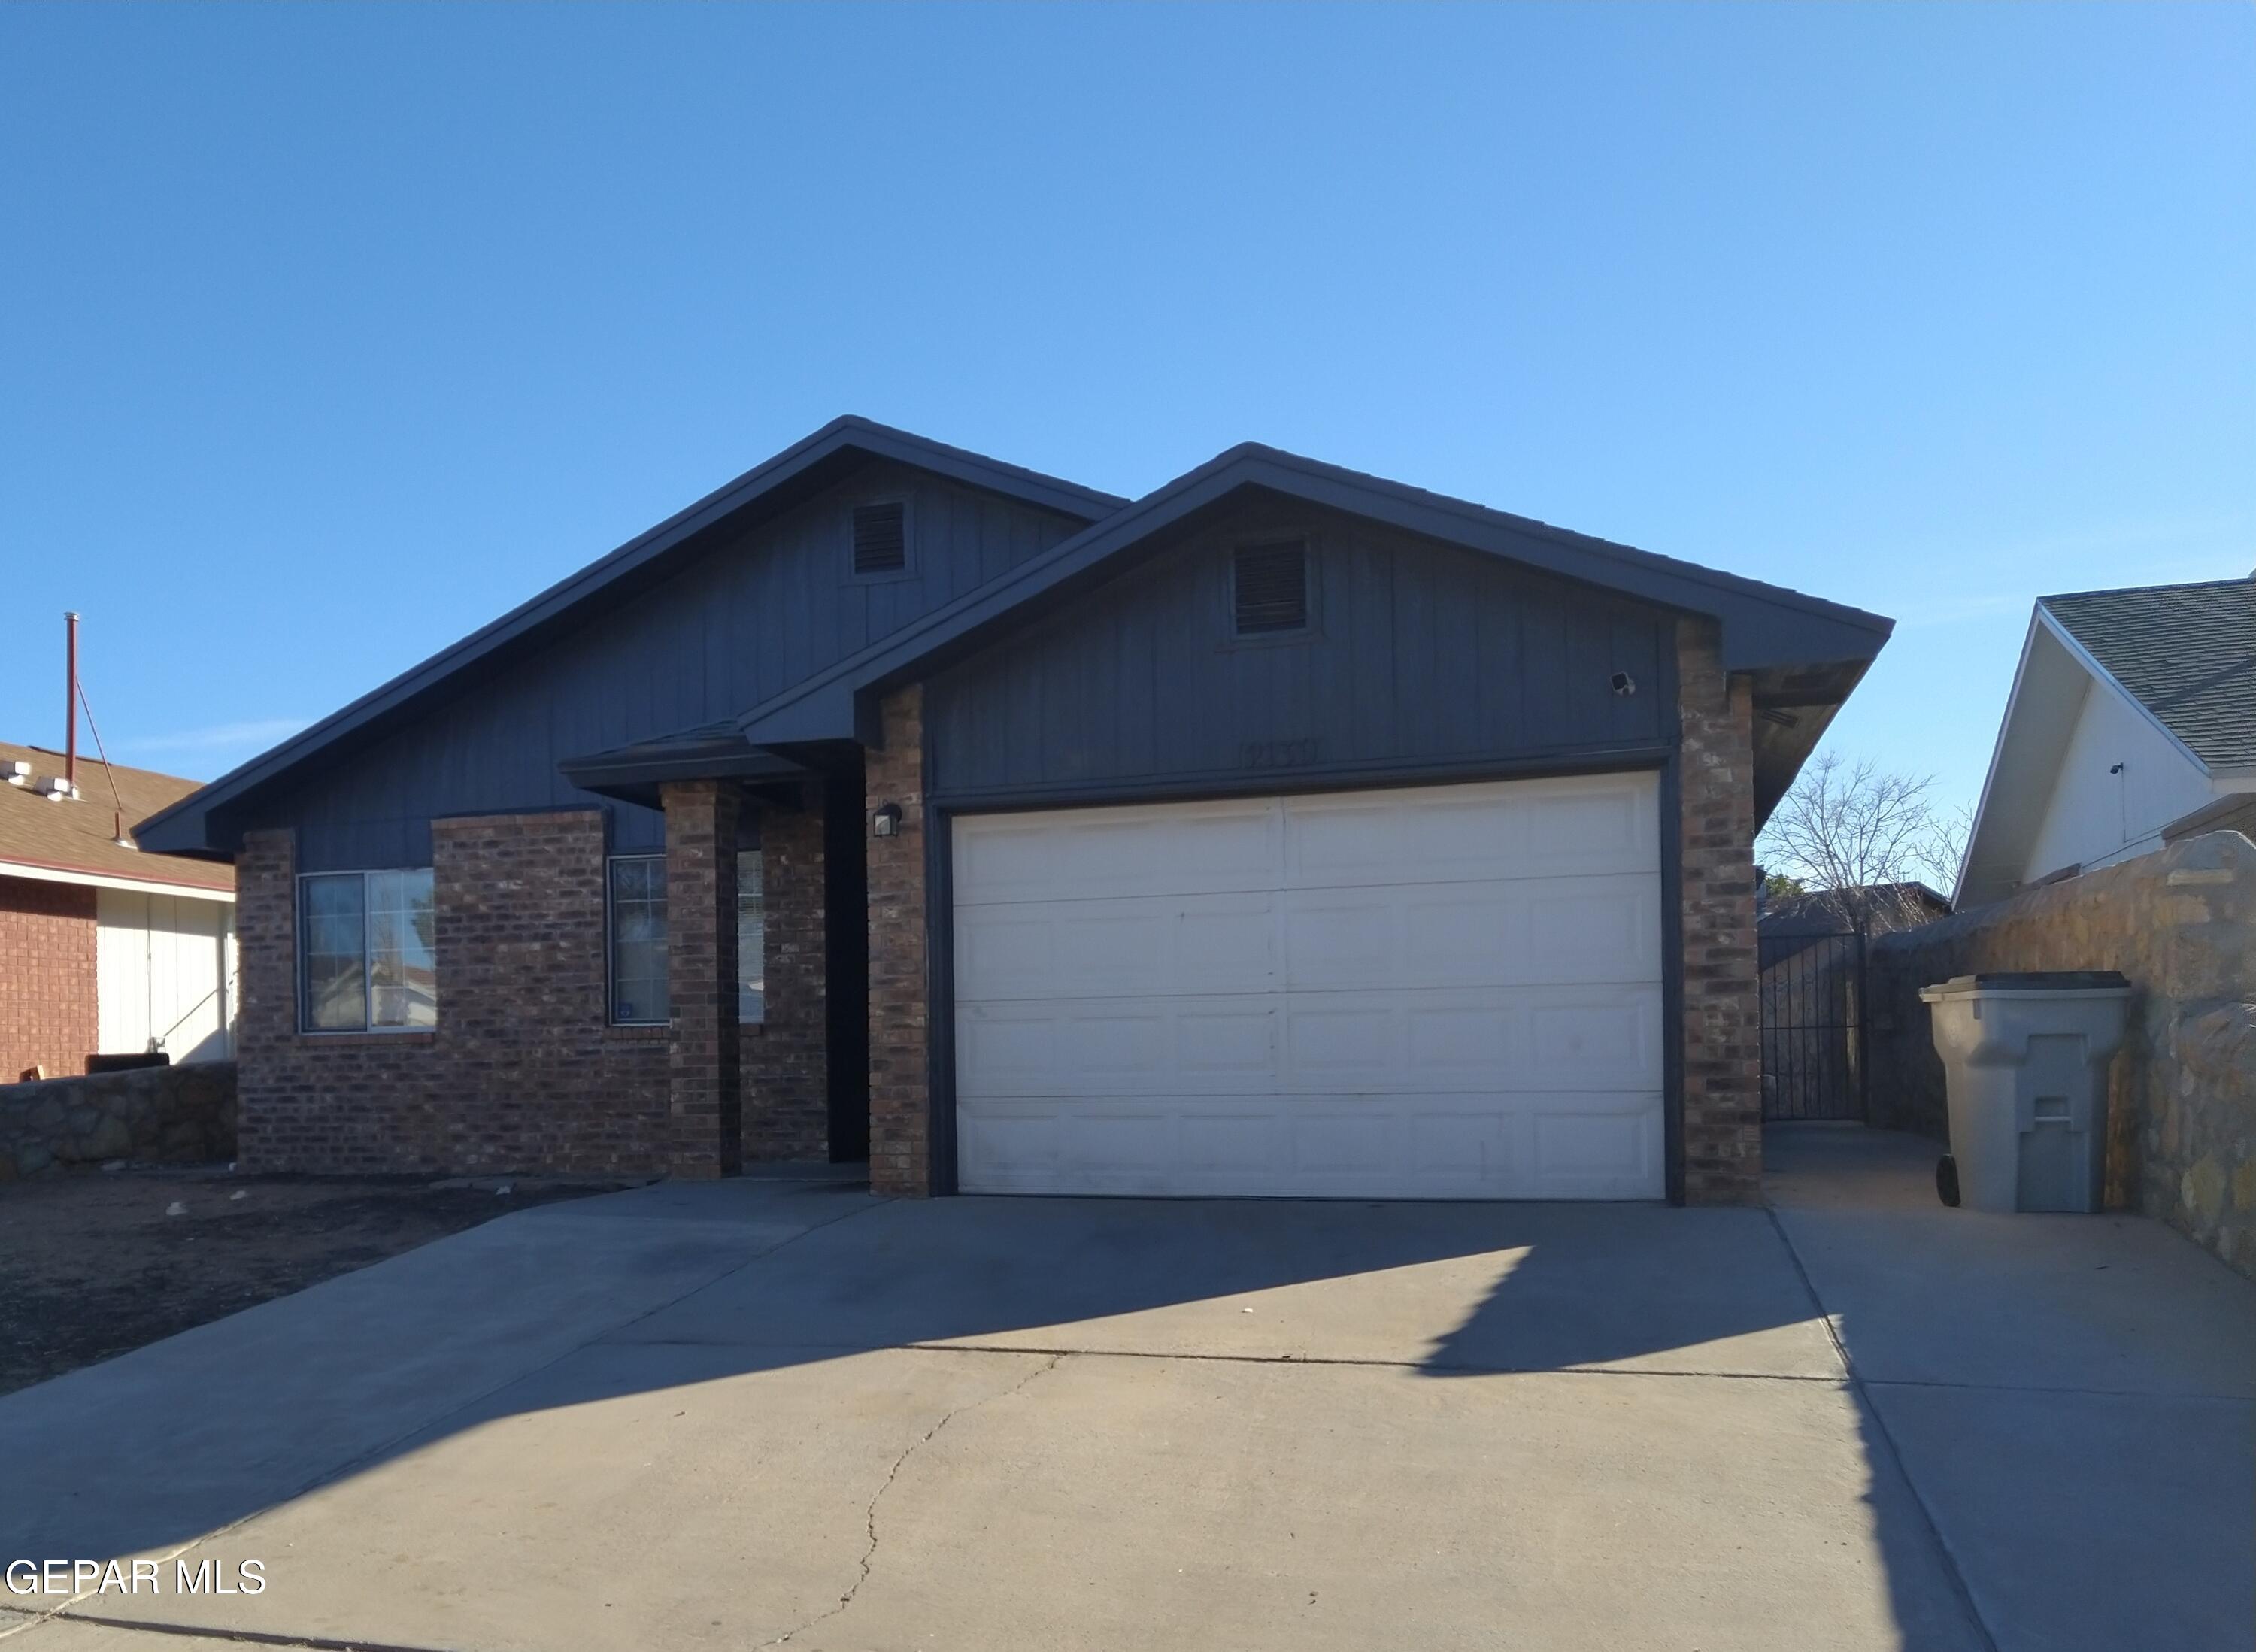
[91, 1265]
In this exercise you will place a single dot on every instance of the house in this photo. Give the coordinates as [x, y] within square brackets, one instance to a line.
[2133, 719]
[104, 948]
[1285, 830]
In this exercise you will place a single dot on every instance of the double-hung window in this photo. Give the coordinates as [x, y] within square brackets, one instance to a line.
[367, 953]
[639, 993]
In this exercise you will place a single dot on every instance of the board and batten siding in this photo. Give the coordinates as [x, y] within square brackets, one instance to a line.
[165, 975]
[738, 625]
[1418, 657]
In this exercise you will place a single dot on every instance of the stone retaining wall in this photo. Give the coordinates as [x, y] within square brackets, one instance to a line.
[2181, 925]
[149, 1115]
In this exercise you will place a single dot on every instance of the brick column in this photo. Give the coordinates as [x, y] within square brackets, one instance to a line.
[705, 1123]
[786, 1070]
[266, 994]
[900, 1100]
[1723, 1017]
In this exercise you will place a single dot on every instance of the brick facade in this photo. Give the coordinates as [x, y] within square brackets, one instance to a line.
[900, 1100]
[48, 1014]
[704, 1073]
[1723, 1054]
[786, 1066]
[522, 1072]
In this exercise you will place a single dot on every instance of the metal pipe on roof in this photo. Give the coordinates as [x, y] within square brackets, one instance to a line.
[70, 698]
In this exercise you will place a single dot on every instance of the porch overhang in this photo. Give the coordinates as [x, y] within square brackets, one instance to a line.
[712, 752]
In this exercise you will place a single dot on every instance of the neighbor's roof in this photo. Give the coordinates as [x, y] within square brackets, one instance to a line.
[59, 840]
[2186, 652]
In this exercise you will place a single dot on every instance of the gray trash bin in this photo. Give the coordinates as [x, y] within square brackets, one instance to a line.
[2025, 1057]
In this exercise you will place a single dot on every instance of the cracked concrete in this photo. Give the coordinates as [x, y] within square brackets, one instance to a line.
[720, 1418]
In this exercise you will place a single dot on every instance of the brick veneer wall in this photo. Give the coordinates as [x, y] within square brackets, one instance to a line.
[900, 1101]
[787, 1072]
[1722, 1020]
[47, 996]
[522, 1072]
[705, 1070]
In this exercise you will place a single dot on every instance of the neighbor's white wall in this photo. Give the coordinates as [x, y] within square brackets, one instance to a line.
[165, 968]
[2095, 818]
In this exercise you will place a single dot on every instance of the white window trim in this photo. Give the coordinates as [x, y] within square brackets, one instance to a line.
[368, 1027]
[610, 946]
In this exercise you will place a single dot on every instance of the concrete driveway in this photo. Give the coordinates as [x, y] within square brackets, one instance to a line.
[769, 1413]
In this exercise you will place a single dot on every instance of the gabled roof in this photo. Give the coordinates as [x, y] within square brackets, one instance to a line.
[797, 473]
[72, 842]
[1763, 626]
[2185, 652]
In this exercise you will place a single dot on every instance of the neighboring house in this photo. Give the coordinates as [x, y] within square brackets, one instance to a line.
[1283, 831]
[2131, 711]
[104, 948]
[1787, 923]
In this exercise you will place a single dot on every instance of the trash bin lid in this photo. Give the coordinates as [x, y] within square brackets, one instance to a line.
[2109, 981]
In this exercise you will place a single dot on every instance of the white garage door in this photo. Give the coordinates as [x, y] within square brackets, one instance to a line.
[1450, 992]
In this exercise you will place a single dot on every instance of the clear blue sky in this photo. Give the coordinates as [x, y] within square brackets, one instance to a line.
[331, 333]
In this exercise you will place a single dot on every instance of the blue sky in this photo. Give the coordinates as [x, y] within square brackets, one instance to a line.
[330, 332]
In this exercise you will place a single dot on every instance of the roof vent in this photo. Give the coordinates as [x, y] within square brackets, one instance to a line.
[881, 541]
[15, 771]
[1269, 588]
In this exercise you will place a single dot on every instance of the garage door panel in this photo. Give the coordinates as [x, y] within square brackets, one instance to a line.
[1099, 948]
[1133, 1047]
[1593, 825]
[1451, 993]
[1493, 934]
[1371, 1146]
[1201, 848]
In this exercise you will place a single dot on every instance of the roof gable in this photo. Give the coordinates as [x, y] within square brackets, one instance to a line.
[2186, 654]
[1764, 626]
[798, 474]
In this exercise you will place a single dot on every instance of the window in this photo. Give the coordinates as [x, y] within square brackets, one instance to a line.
[366, 951]
[1269, 588]
[638, 972]
[638, 991]
[752, 940]
[881, 539]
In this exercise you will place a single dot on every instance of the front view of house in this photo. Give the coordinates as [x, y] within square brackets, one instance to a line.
[1285, 831]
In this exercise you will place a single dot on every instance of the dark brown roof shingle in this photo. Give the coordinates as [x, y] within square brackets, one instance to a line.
[76, 837]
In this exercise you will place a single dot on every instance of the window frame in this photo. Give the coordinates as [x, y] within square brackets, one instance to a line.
[611, 1017]
[369, 1026]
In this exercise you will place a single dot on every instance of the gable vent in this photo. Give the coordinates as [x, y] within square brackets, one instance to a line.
[1269, 589]
[881, 542]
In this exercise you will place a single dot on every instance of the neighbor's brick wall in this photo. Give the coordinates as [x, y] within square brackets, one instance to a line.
[900, 1103]
[522, 1072]
[787, 1073]
[1723, 1021]
[47, 996]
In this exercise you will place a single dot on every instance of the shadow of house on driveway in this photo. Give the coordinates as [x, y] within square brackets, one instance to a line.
[679, 1284]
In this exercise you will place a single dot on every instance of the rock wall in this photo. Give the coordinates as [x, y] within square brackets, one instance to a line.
[149, 1115]
[2180, 926]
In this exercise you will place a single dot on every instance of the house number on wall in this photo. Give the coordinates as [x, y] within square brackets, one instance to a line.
[1278, 754]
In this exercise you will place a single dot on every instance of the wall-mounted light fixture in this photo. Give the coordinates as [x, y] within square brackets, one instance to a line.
[1625, 684]
[886, 821]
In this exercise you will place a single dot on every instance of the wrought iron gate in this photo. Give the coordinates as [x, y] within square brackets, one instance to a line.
[1813, 1026]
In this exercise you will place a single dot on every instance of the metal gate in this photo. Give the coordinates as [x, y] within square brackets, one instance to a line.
[1813, 1026]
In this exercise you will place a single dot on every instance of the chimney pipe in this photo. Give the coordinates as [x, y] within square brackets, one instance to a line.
[70, 698]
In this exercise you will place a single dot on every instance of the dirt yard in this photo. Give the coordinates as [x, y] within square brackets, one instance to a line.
[91, 1265]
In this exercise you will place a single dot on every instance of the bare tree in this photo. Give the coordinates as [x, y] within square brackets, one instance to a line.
[1864, 839]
